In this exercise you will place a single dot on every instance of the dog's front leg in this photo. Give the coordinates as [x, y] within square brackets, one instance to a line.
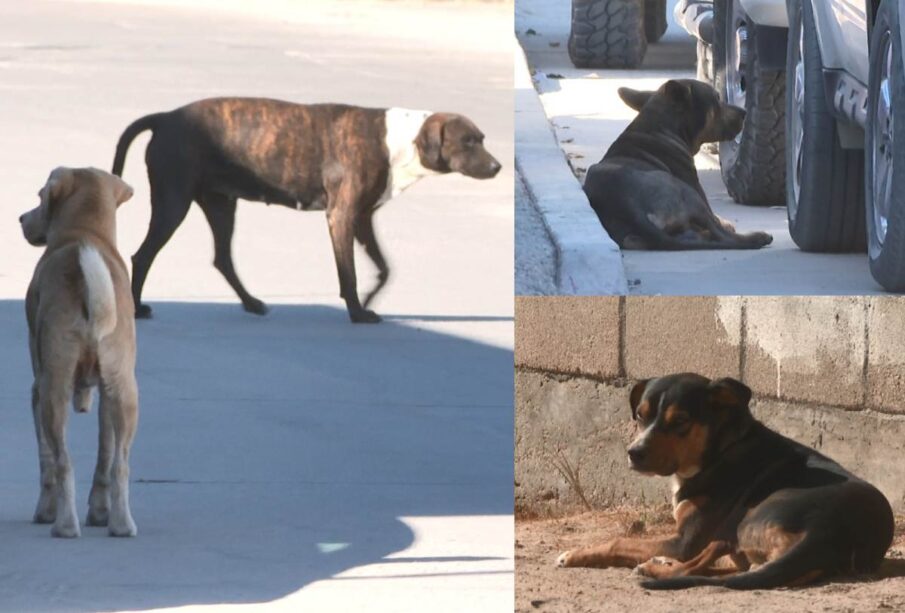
[341, 212]
[622, 552]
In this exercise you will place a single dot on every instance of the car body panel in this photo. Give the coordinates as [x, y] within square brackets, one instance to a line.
[767, 12]
[842, 35]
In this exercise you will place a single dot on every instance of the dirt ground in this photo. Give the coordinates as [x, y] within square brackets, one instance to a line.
[539, 586]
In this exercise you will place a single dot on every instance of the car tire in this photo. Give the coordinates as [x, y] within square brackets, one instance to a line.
[655, 23]
[824, 182]
[607, 34]
[753, 165]
[884, 168]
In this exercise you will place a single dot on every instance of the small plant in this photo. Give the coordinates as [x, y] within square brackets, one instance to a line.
[572, 476]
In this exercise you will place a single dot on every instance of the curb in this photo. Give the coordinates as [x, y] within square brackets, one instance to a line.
[588, 261]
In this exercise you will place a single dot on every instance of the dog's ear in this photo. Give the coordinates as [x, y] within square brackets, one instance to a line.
[59, 186]
[429, 143]
[677, 91]
[634, 398]
[633, 98]
[122, 191]
[729, 393]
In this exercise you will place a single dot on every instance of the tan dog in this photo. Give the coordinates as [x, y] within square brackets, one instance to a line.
[81, 335]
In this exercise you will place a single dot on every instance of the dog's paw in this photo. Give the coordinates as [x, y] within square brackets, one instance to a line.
[122, 527]
[364, 316]
[764, 239]
[563, 560]
[143, 311]
[255, 306]
[66, 529]
[652, 566]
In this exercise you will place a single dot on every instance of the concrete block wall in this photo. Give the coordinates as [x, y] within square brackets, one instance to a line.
[827, 371]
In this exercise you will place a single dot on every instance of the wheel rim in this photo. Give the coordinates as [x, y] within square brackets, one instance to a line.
[797, 135]
[882, 150]
[737, 59]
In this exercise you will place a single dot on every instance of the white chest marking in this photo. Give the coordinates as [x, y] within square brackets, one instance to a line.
[403, 126]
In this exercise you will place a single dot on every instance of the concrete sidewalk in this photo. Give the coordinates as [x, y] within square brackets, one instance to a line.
[295, 461]
[587, 261]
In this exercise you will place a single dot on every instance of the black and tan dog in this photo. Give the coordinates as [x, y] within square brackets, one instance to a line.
[646, 190]
[346, 160]
[783, 513]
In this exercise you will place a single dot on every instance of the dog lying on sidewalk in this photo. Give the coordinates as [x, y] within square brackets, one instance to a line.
[784, 514]
[81, 334]
[646, 191]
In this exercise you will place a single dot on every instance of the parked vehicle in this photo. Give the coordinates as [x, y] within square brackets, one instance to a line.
[614, 33]
[741, 51]
[844, 90]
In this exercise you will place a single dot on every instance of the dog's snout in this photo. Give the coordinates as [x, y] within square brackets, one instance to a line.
[494, 167]
[21, 217]
[635, 454]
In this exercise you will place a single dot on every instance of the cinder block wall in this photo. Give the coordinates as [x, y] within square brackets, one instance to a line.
[827, 371]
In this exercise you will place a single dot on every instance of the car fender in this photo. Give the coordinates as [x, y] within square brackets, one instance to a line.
[767, 12]
[842, 35]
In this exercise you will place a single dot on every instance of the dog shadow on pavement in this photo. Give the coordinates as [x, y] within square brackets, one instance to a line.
[271, 453]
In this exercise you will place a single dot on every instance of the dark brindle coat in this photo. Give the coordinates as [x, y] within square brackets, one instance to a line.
[343, 159]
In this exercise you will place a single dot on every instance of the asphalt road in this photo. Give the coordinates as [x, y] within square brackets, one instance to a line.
[295, 461]
[587, 116]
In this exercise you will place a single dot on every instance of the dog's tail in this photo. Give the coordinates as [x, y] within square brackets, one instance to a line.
[148, 122]
[802, 564]
[100, 300]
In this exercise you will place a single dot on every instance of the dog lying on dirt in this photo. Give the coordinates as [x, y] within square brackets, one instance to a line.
[783, 513]
[81, 333]
[646, 191]
[343, 159]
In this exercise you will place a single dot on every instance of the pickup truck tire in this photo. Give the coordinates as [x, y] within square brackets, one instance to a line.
[884, 165]
[607, 33]
[824, 182]
[655, 23]
[753, 166]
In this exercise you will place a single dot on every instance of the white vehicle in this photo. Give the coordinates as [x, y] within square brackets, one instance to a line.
[844, 91]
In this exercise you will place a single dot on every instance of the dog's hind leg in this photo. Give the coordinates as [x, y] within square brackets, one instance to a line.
[364, 232]
[119, 398]
[99, 499]
[220, 212]
[54, 395]
[701, 564]
[46, 509]
[169, 205]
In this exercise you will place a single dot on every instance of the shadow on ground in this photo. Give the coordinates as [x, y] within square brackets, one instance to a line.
[271, 452]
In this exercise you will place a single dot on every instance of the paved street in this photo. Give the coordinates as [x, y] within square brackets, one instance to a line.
[294, 461]
[587, 116]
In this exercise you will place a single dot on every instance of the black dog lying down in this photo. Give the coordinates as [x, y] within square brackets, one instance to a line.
[646, 190]
[783, 513]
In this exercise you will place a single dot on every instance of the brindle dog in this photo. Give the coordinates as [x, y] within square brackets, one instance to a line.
[783, 513]
[346, 160]
[646, 190]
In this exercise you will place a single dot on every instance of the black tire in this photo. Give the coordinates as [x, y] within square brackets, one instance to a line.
[655, 23]
[827, 213]
[607, 34]
[753, 166]
[886, 252]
